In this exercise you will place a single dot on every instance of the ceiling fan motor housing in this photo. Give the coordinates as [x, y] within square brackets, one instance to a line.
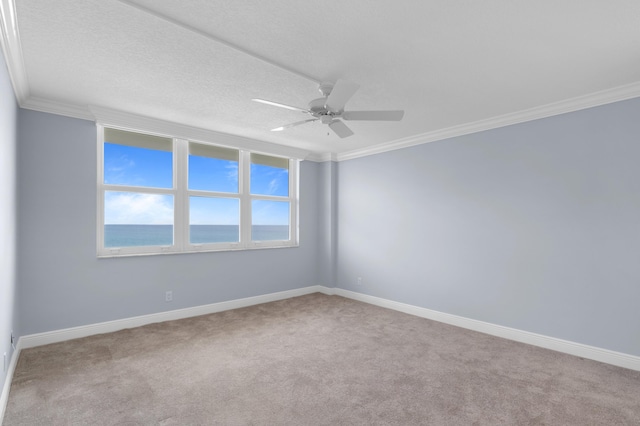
[329, 109]
[317, 106]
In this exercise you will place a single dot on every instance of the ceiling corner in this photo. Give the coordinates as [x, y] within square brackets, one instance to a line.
[12, 49]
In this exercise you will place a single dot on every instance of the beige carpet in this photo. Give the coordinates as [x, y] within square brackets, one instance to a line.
[313, 360]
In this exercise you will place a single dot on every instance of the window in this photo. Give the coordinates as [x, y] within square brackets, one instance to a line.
[270, 206]
[167, 195]
[214, 194]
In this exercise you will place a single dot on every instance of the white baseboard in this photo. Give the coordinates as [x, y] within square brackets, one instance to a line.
[39, 339]
[603, 355]
[577, 349]
[4, 397]
[33, 340]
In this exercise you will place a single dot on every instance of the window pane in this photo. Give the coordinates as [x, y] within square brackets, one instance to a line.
[137, 219]
[269, 175]
[269, 220]
[213, 168]
[214, 220]
[137, 159]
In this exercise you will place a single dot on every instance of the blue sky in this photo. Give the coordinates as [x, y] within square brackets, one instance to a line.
[125, 165]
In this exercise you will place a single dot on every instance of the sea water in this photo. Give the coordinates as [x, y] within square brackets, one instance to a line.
[162, 235]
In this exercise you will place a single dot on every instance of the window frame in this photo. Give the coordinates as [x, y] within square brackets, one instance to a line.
[181, 196]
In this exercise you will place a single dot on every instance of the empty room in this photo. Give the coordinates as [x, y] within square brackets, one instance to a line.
[319, 213]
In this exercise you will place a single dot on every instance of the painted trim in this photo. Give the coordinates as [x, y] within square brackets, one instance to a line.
[56, 336]
[322, 157]
[116, 118]
[591, 100]
[576, 349]
[572, 348]
[113, 118]
[181, 194]
[120, 119]
[57, 107]
[12, 48]
[4, 397]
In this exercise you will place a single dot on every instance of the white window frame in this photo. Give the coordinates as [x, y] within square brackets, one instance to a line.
[181, 194]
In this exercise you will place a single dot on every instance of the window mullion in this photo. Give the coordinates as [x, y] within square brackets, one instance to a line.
[181, 212]
[178, 189]
[270, 197]
[138, 189]
[101, 190]
[200, 193]
[294, 169]
[245, 198]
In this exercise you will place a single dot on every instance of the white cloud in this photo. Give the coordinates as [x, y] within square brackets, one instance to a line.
[273, 186]
[232, 171]
[131, 208]
[120, 164]
[115, 170]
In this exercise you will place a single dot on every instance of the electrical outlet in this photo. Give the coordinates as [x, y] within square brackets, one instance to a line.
[168, 296]
[359, 280]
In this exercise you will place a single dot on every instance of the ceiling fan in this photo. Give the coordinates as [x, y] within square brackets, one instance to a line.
[329, 109]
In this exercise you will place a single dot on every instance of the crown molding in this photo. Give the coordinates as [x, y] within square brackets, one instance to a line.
[603, 97]
[114, 118]
[11, 47]
[12, 50]
[58, 108]
[322, 157]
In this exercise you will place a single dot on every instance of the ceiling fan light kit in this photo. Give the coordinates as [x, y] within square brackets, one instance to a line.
[329, 109]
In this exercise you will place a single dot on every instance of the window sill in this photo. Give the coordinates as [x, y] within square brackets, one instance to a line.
[199, 250]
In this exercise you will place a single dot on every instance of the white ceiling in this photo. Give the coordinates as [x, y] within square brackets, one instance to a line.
[453, 66]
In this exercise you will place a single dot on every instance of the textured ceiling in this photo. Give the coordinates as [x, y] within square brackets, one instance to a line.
[446, 63]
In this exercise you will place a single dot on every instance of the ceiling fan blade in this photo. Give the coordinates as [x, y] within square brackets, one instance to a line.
[262, 101]
[342, 91]
[279, 129]
[340, 129]
[373, 115]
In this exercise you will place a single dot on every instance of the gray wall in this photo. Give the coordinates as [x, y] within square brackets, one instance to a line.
[8, 120]
[534, 226]
[63, 284]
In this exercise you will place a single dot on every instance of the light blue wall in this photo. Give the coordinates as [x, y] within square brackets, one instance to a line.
[8, 139]
[534, 226]
[63, 284]
[327, 223]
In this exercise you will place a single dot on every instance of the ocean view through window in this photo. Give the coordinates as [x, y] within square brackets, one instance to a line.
[159, 194]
